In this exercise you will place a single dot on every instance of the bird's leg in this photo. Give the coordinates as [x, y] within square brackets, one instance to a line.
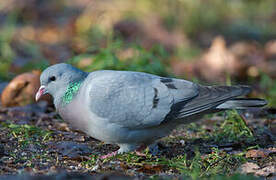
[139, 150]
[123, 149]
[109, 155]
[126, 148]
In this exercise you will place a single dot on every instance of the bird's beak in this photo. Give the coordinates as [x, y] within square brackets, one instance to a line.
[42, 90]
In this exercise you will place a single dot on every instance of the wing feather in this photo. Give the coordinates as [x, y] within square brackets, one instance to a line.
[136, 100]
[211, 96]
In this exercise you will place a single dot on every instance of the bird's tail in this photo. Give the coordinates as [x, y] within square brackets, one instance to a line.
[242, 103]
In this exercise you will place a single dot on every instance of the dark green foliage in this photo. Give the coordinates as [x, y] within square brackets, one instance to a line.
[150, 61]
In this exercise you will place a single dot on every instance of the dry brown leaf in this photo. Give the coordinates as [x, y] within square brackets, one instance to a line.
[266, 171]
[253, 168]
[151, 169]
[219, 61]
[259, 153]
[21, 90]
[270, 48]
[249, 167]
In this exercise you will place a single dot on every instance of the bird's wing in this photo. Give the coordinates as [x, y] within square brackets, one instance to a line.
[136, 100]
[208, 98]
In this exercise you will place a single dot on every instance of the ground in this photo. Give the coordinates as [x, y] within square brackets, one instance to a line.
[209, 42]
[35, 140]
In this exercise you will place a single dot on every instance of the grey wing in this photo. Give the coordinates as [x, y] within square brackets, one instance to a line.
[208, 98]
[137, 100]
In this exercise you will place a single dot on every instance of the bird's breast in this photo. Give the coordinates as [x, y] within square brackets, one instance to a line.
[79, 116]
[73, 114]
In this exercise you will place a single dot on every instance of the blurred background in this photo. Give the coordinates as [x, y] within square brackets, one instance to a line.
[207, 41]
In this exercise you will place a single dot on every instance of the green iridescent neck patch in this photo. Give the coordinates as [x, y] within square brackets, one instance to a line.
[71, 91]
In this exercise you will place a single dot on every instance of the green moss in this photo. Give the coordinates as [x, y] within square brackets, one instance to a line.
[232, 129]
[208, 166]
[27, 134]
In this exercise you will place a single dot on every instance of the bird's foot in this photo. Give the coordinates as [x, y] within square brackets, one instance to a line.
[140, 149]
[138, 153]
[124, 149]
[109, 155]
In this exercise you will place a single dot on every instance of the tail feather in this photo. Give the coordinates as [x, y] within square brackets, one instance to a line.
[242, 103]
[210, 97]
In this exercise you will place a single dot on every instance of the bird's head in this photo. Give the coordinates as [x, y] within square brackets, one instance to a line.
[55, 79]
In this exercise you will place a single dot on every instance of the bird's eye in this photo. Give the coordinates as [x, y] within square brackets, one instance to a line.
[52, 78]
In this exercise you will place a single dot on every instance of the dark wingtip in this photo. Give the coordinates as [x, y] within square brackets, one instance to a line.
[265, 102]
[257, 101]
[262, 102]
[245, 89]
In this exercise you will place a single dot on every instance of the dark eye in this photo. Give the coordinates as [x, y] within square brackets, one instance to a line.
[52, 78]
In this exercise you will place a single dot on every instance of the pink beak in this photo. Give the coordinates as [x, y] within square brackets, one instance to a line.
[40, 92]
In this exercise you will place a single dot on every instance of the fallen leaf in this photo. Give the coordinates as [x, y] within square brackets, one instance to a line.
[270, 48]
[21, 90]
[219, 61]
[266, 171]
[249, 167]
[259, 153]
[151, 169]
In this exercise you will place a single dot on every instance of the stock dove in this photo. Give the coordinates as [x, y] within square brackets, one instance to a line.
[133, 109]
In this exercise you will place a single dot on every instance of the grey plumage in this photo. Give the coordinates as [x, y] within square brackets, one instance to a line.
[242, 103]
[134, 108]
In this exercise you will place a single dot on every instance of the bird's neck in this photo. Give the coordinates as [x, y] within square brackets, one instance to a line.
[70, 92]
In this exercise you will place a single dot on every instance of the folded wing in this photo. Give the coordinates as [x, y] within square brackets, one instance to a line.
[137, 100]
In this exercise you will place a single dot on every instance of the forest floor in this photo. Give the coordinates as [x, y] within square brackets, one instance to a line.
[35, 141]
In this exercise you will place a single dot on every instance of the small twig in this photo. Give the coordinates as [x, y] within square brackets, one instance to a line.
[207, 169]
[252, 133]
[217, 161]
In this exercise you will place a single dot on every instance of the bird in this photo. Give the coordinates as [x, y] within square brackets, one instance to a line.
[134, 109]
